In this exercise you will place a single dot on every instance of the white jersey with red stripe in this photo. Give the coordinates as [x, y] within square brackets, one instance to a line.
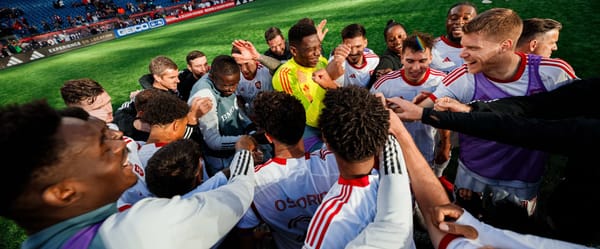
[288, 192]
[139, 190]
[147, 150]
[445, 55]
[249, 88]
[395, 84]
[346, 210]
[359, 76]
[350, 207]
[459, 84]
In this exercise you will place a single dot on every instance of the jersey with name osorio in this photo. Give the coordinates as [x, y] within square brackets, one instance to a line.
[288, 192]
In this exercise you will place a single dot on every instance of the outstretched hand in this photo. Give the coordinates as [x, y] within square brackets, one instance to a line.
[321, 30]
[451, 211]
[450, 104]
[405, 109]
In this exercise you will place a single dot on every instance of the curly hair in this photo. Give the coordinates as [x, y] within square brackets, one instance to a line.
[173, 169]
[76, 91]
[281, 115]
[164, 108]
[354, 123]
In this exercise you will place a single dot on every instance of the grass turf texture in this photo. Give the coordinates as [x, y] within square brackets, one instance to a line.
[118, 64]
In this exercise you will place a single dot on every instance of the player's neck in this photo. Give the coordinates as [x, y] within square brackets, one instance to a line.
[282, 150]
[159, 137]
[354, 170]
[505, 68]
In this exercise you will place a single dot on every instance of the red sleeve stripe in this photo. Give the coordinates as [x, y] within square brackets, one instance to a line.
[369, 55]
[124, 207]
[446, 240]
[391, 75]
[437, 72]
[560, 64]
[331, 207]
[455, 74]
[285, 81]
[257, 168]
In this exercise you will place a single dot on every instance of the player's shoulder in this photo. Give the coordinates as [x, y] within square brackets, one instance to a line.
[388, 77]
[457, 75]
[437, 73]
[556, 65]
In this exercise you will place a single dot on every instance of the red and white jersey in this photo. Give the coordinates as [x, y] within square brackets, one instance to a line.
[395, 84]
[446, 55]
[139, 190]
[347, 209]
[460, 84]
[359, 76]
[288, 192]
[249, 88]
[350, 216]
[147, 150]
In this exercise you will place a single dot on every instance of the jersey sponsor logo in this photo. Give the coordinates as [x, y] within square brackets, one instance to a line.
[302, 202]
[137, 169]
[352, 76]
[228, 114]
[447, 60]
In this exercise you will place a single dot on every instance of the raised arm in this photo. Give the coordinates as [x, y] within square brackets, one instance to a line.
[249, 52]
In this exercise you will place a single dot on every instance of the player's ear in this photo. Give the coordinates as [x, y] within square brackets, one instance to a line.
[293, 50]
[506, 45]
[532, 45]
[60, 194]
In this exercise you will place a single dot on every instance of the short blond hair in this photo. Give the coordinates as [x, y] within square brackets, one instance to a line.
[497, 23]
[160, 64]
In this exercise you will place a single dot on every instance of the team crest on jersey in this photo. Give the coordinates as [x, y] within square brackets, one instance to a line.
[258, 84]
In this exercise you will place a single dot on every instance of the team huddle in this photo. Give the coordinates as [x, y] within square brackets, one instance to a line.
[321, 151]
